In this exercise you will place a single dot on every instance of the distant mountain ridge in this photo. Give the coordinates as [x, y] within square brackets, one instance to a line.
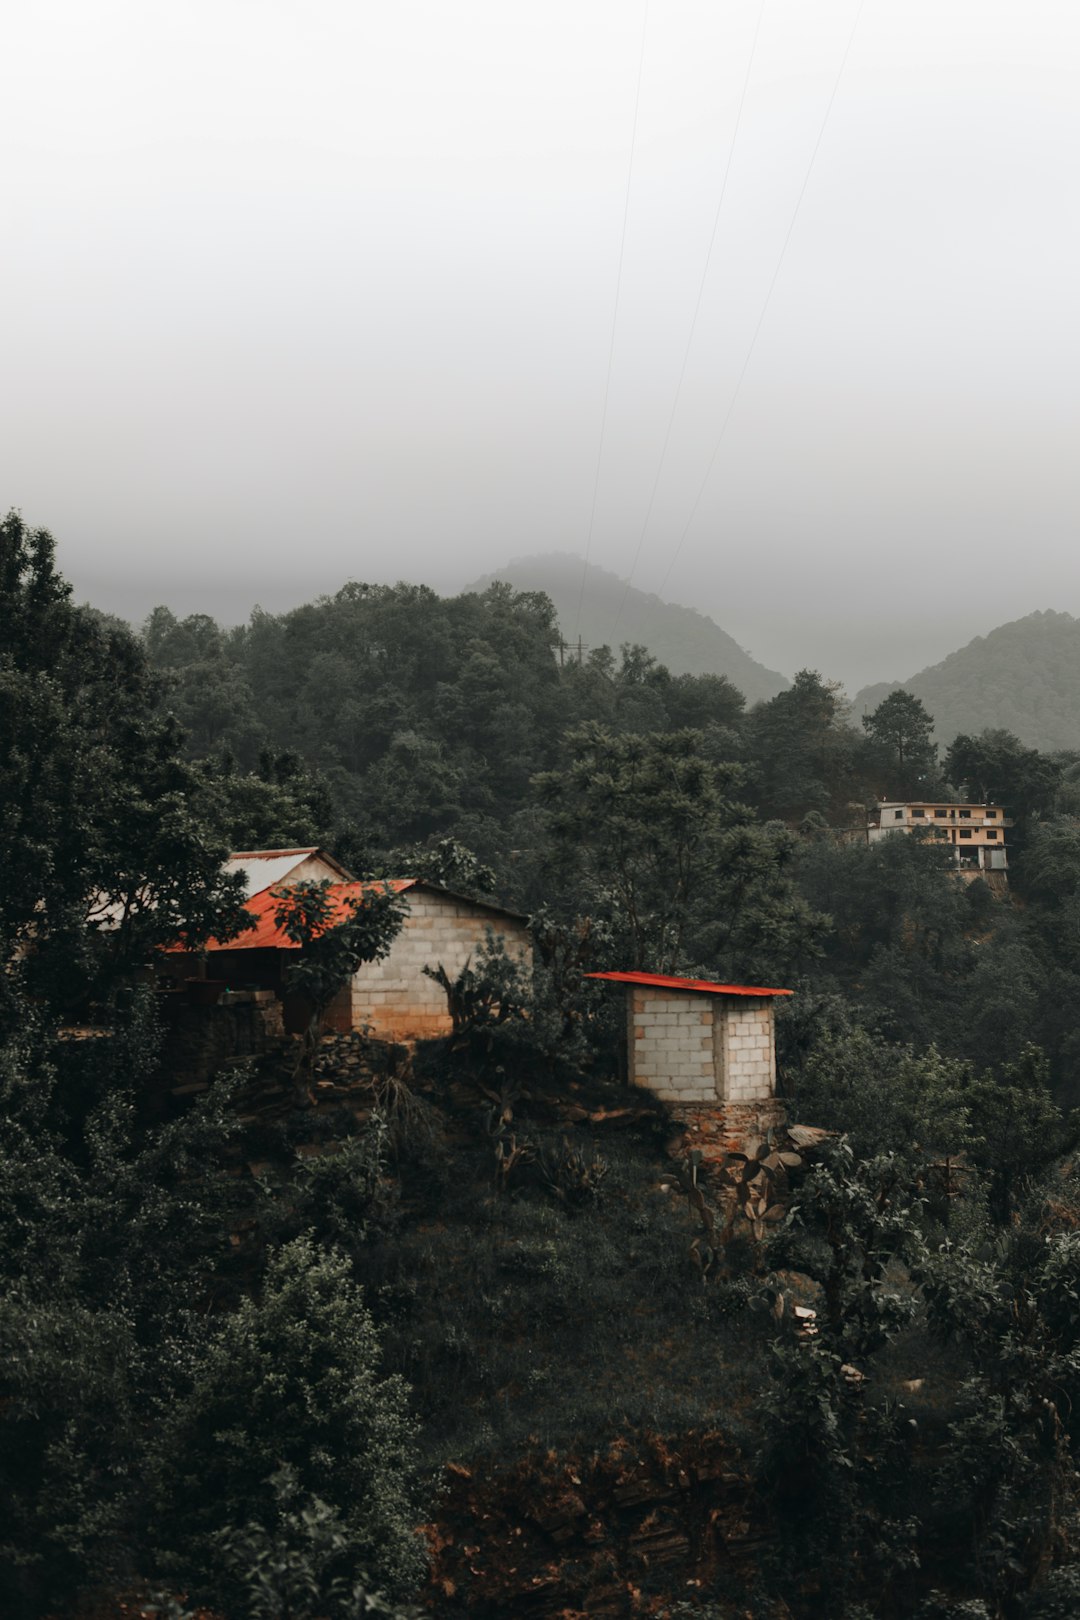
[1024, 677]
[688, 642]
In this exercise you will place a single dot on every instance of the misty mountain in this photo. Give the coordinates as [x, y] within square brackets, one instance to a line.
[689, 643]
[1024, 676]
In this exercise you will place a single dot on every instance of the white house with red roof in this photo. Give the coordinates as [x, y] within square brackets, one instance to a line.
[394, 997]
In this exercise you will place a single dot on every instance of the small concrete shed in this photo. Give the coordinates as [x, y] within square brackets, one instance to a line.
[696, 1043]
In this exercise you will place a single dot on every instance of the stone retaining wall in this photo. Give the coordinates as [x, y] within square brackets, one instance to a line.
[726, 1128]
[199, 1040]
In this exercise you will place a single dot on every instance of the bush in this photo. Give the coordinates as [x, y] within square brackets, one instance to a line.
[291, 1378]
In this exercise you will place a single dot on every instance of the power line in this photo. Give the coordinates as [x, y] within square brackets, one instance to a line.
[761, 316]
[614, 319]
[693, 325]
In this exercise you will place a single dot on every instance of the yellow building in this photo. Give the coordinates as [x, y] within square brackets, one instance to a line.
[974, 832]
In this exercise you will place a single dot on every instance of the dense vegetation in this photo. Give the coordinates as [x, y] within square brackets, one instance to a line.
[248, 1391]
[1023, 677]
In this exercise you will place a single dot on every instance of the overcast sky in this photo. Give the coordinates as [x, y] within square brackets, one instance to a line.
[301, 292]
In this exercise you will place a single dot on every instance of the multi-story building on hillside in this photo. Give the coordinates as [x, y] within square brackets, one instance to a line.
[974, 832]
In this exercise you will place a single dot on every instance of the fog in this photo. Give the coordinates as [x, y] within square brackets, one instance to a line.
[295, 294]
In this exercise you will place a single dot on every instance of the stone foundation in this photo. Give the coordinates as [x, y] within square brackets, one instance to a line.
[354, 1056]
[717, 1129]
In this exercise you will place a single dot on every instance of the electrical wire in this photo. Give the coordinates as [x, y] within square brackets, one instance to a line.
[693, 327]
[614, 322]
[760, 321]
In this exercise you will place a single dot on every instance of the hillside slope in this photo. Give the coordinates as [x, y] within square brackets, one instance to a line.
[688, 642]
[1023, 676]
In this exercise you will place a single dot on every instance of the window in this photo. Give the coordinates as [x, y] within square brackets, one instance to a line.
[965, 815]
[940, 814]
[991, 832]
[965, 832]
[991, 815]
[918, 812]
[898, 815]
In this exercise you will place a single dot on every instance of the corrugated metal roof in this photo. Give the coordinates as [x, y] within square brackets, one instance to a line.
[664, 981]
[265, 868]
[268, 936]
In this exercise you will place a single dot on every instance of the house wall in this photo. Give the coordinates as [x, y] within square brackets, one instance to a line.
[395, 995]
[688, 1047]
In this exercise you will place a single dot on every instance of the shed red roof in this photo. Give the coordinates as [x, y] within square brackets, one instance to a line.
[664, 981]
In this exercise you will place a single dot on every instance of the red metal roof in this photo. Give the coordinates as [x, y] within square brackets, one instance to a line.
[267, 935]
[664, 981]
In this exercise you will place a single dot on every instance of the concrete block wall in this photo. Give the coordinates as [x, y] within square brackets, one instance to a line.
[671, 1044]
[748, 1063]
[395, 996]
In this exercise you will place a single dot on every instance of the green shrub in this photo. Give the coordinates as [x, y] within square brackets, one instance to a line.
[292, 1377]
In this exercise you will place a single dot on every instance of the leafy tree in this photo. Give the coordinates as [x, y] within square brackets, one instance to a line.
[334, 934]
[1019, 1129]
[645, 831]
[281, 804]
[849, 1222]
[830, 1461]
[995, 768]
[445, 861]
[904, 751]
[886, 1098]
[290, 1378]
[110, 1232]
[895, 893]
[301, 1567]
[804, 752]
[69, 1428]
[1007, 1470]
[103, 854]
[417, 788]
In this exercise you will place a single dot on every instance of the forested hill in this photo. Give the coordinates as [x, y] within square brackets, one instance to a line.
[346, 1328]
[686, 642]
[1023, 677]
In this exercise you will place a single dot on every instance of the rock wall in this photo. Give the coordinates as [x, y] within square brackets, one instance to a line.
[602, 1536]
[199, 1040]
[722, 1128]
